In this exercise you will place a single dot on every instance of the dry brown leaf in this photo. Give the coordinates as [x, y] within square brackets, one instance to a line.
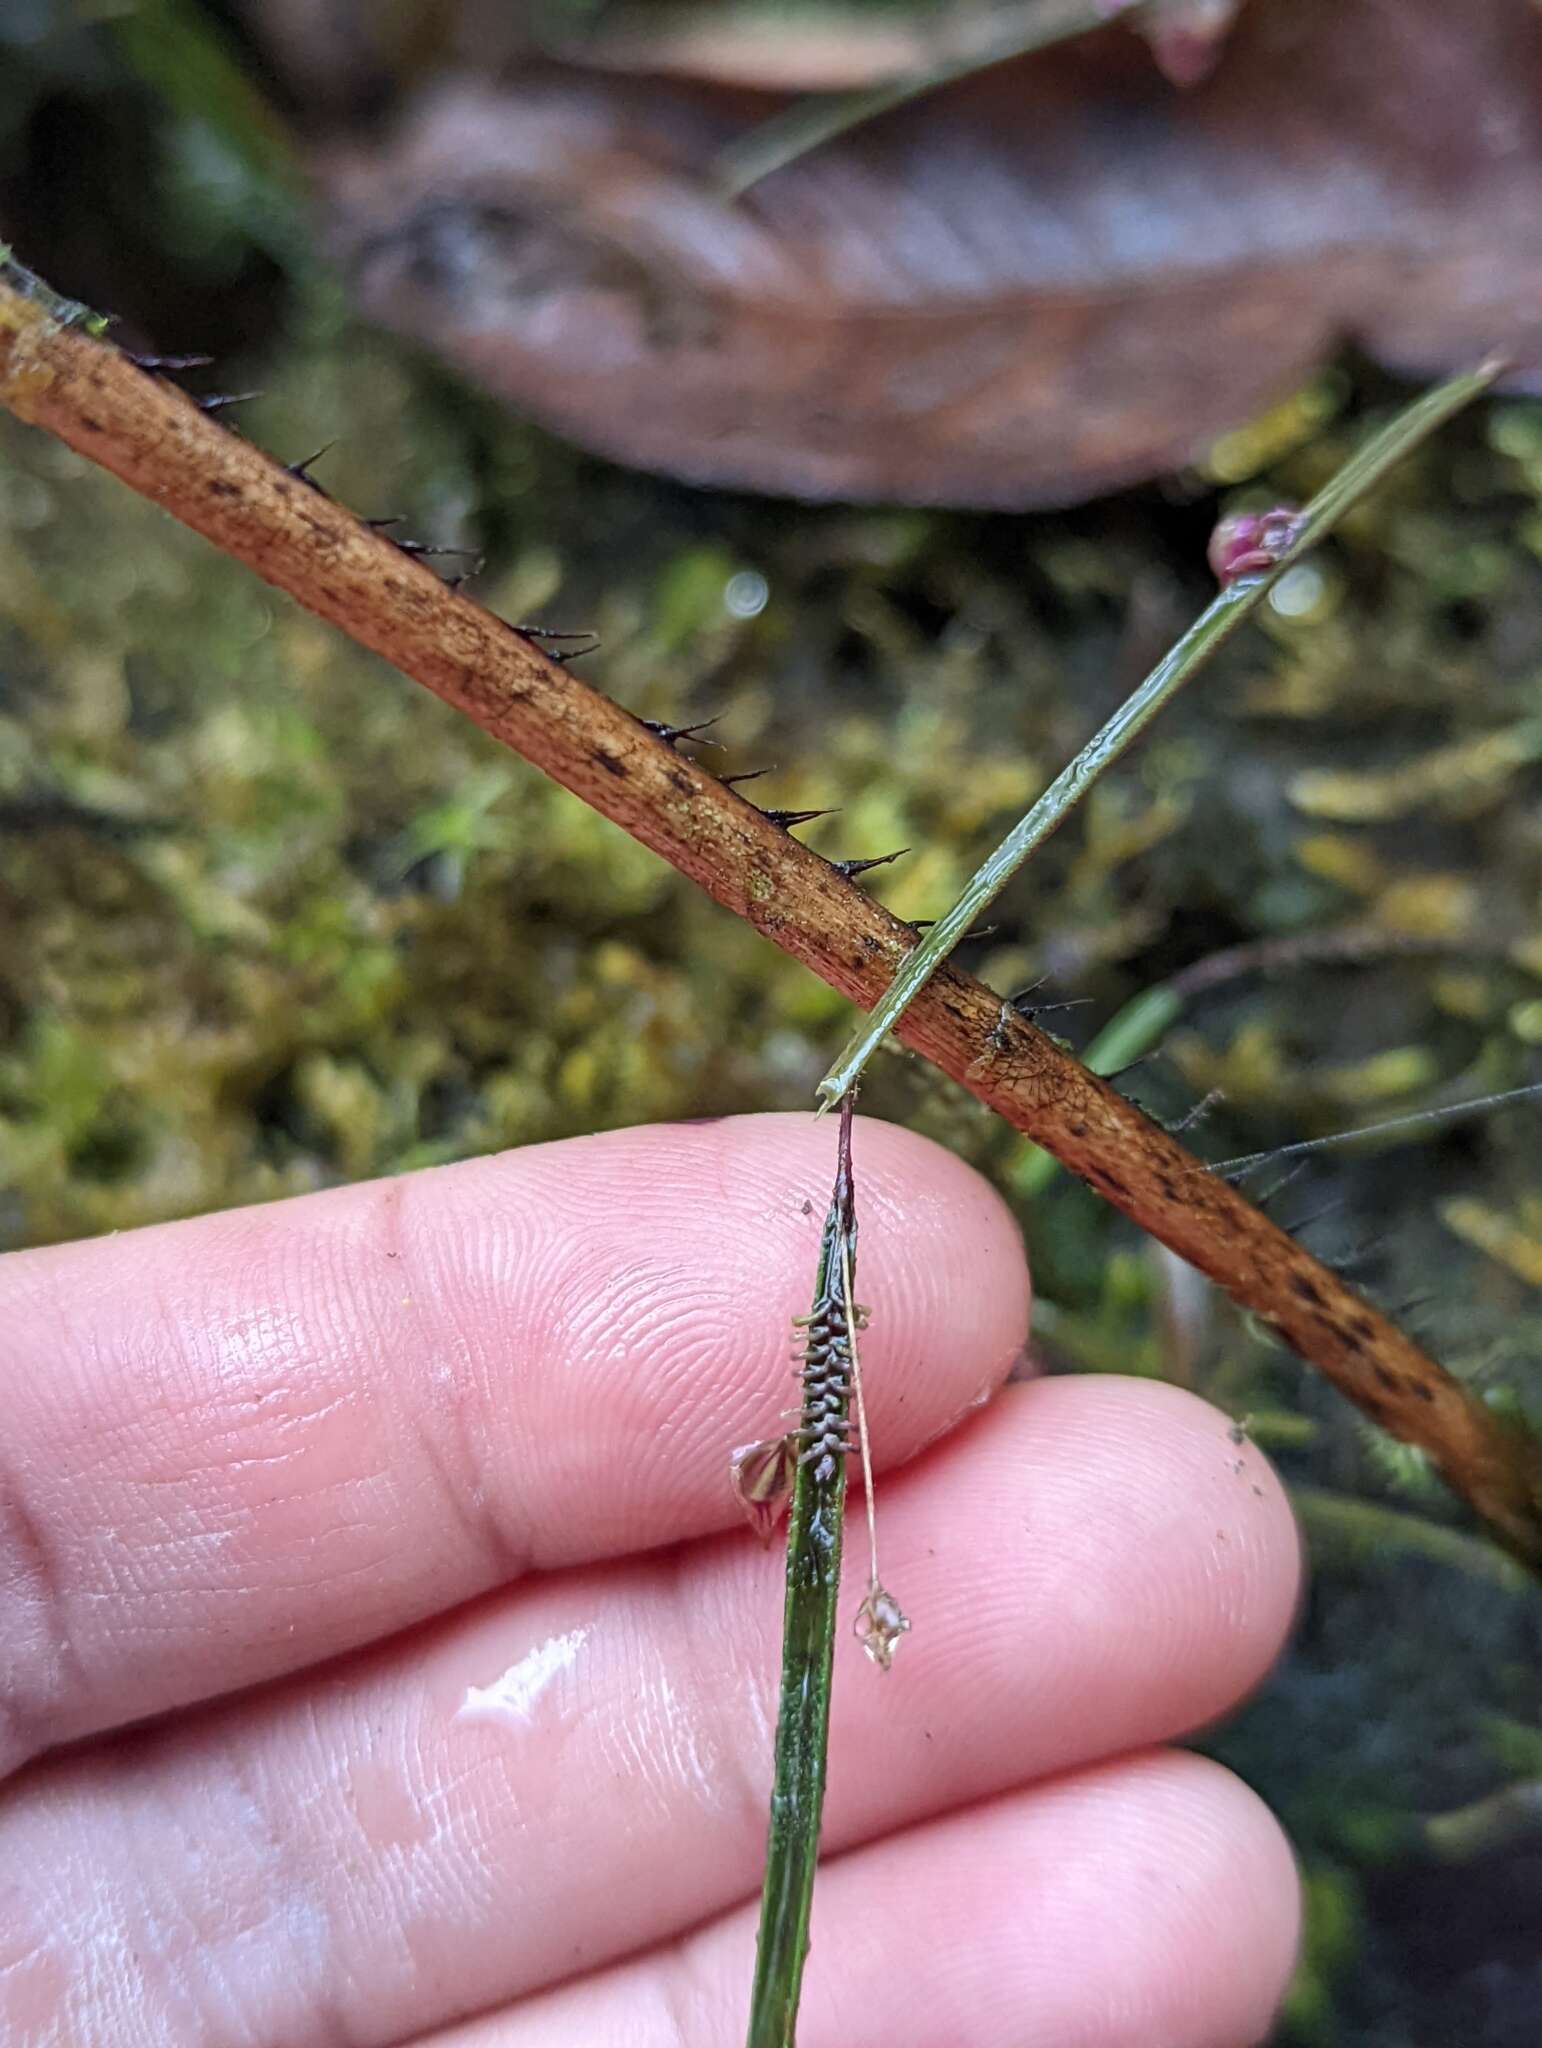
[1057, 277]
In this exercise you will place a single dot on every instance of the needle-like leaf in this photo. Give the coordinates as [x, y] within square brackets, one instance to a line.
[1208, 634]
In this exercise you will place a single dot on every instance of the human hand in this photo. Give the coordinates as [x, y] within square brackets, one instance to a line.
[401, 1510]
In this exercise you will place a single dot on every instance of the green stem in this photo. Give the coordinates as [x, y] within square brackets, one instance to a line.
[1511, 1815]
[1092, 1346]
[817, 118]
[1208, 634]
[1343, 1530]
[815, 1526]
[1276, 1429]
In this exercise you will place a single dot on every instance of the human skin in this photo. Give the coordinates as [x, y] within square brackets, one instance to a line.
[380, 1659]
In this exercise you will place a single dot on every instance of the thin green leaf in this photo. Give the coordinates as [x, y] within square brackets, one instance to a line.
[814, 1533]
[1208, 634]
[817, 118]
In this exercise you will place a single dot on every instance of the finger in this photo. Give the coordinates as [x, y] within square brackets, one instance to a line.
[1154, 1900]
[1092, 1566]
[238, 1445]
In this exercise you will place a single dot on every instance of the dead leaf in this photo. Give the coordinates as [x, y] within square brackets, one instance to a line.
[1057, 277]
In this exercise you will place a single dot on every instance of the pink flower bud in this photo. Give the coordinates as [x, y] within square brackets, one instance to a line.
[1247, 543]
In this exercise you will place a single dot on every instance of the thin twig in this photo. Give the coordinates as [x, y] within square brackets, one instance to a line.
[54, 374]
[1145, 1020]
[1417, 1123]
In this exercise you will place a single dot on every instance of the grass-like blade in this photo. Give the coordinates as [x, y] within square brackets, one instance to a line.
[1208, 634]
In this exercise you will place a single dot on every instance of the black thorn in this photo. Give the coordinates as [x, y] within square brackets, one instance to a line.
[1329, 1208]
[380, 525]
[1028, 991]
[749, 775]
[670, 734]
[465, 575]
[1359, 1256]
[536, 634]
[301, 471]
[218, 400]
[1024, 1008]
[1406, 1308]
[1130, 1065]
[421, 547]
[787, 819]
[162, 363]
[852, 868]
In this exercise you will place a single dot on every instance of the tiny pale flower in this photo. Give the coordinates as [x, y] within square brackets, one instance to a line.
[879, 1624]
[762, 1475]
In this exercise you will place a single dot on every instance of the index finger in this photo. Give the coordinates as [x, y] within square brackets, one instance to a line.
[239, 1445]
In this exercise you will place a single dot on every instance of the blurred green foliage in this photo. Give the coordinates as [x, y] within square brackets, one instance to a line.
[271, 917]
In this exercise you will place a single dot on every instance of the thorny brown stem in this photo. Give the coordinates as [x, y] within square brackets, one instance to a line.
[93, 397]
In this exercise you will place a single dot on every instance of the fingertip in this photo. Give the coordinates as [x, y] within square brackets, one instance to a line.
[1153, 1898]
[710, 1232]
[1217, 1529]
[1149, 1559]
[1268, 1877]
[1208, 1938]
